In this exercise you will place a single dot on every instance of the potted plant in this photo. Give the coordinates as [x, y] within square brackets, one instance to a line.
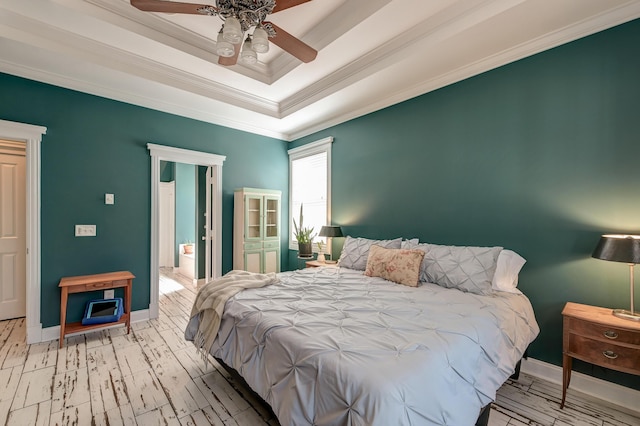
[304, 236]
[188, 247]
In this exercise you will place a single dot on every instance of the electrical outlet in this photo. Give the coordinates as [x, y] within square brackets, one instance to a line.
[85, 230]
[109, 294]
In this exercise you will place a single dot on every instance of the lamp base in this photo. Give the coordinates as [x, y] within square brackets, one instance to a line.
[625, 314]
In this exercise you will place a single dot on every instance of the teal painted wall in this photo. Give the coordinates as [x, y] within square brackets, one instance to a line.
[539, 156]
[94, 146]
[185, 204]
[167, 171]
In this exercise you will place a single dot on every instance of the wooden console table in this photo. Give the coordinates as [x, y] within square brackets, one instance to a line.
[84, 283]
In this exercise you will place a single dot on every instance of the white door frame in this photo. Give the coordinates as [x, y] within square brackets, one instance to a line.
[31, 136]
[179, 155]
[210, 228]
[172, 222]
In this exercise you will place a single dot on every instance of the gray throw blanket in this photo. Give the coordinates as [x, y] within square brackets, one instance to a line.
[213, 296]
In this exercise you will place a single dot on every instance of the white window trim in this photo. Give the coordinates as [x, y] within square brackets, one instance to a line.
[313, 148]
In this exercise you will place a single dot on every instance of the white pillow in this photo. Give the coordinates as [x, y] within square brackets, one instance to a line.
[408, 244]
[469, 269]
[355, 251]
[506, 277]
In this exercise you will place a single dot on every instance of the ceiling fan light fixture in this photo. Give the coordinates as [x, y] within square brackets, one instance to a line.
[248, 54]
[223, 47]
[232, 31]
[260, 40]
[240, 18]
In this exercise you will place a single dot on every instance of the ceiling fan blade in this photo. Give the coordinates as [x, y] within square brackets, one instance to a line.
[171, 7]
[231, 60]
[293, 45]
[286, 4]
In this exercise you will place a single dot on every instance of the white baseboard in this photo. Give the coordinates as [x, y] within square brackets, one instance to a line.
[141, 315]
[53, 333]
[598, 388]
[34, 334]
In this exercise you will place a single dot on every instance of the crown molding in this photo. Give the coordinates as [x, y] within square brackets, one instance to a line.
[344, 18]
[592, 25]
[135, 99]
[155, 27]
[443, 25]
[40, 34]
[450, 21]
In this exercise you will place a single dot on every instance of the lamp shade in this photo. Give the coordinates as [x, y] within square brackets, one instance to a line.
[618, 248]
[330, 231]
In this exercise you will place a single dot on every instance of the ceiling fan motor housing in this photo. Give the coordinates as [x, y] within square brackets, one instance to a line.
[250, 13]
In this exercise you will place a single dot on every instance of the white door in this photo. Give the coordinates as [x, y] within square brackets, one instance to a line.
[209, 228]
[13, 246]
[167, 223]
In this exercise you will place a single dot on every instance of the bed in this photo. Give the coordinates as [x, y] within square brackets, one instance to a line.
[334, 346]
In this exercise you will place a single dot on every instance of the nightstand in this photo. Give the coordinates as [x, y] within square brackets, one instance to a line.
[316, 264]
[594, 335]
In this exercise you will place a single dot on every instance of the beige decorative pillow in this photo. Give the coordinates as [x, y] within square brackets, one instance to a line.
[398, 265]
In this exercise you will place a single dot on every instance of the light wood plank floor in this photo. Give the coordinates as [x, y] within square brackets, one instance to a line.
[153, 377]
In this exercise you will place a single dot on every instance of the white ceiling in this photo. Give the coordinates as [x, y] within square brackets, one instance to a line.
[371, 54]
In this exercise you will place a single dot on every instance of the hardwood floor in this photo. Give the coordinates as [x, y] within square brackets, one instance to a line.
[154, 377]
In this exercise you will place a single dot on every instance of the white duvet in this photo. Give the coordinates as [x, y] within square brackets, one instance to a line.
[330, 346]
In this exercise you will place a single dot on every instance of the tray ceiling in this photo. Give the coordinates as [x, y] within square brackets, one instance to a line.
[371, 54]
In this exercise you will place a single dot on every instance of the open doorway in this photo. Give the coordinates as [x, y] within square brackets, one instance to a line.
[30, 137]
[180, 211]
[210, 242]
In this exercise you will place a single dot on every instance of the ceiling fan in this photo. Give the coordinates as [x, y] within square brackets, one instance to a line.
[239, 17]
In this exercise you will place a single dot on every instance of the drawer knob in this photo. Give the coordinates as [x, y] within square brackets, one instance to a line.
[610, 334]
[610, 354]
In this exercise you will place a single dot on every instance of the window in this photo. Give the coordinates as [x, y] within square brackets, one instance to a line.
[310, 187]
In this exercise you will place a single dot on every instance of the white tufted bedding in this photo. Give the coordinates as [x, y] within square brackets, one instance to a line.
[330, 346]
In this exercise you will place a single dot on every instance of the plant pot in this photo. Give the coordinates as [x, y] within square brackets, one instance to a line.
[305, 250]
[188, 248]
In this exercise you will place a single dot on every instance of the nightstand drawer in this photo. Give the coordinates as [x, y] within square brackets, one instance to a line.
[604, 333]
[604, 354]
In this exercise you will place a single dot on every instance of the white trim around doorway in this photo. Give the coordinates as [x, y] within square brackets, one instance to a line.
[31, 137]
[166, 153]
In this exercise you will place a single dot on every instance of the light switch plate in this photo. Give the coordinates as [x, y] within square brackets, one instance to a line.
[109, 294]
[85, 230]
[109, 199]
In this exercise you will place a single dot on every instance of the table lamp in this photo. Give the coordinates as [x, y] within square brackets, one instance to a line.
[621, 248]
[330, 232]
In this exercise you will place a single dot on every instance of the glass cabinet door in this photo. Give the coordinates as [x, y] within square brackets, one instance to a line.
[271, 217]
[253, 214]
